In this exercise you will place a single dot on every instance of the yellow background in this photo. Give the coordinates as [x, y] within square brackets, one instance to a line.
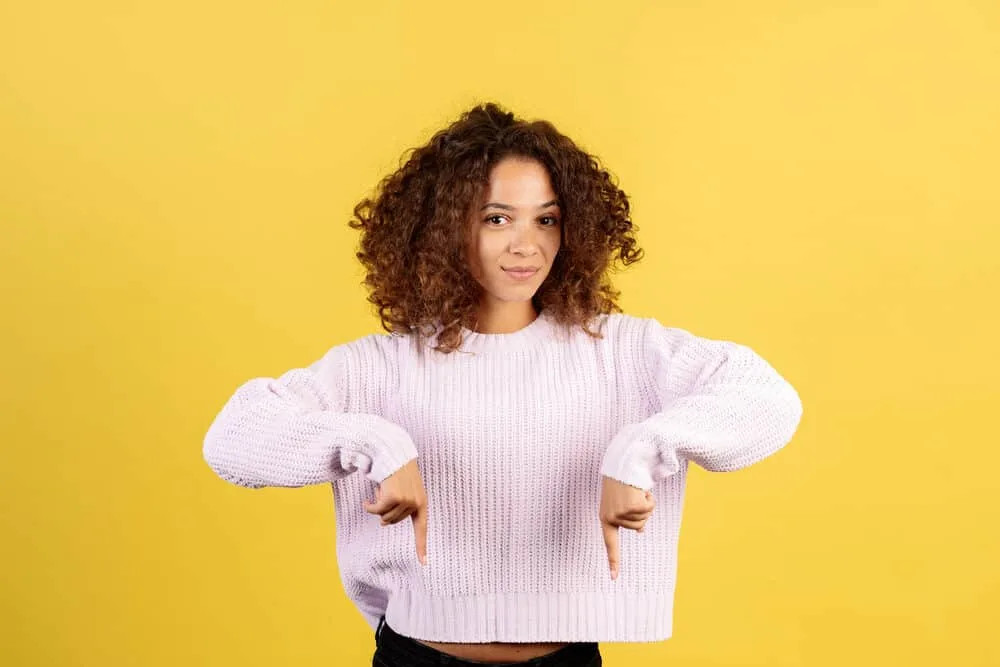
[815, 180]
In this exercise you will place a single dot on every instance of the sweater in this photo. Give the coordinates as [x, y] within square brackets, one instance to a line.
[512, 434]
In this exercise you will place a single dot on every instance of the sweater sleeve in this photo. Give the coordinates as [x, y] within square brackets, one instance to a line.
[294, 431]
[721, 406]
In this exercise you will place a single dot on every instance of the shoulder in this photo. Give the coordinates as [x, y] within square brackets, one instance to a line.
[621, 338]
[650, 330]
[370, 355]
[624, 328]
[647, 339]
[376, 346]
[362, 370]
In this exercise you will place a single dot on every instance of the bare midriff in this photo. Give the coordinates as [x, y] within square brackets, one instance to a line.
[495, 652]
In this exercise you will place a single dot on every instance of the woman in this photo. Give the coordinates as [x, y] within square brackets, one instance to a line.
[513, 419]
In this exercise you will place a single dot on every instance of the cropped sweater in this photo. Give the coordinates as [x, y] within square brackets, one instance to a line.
[512, 434]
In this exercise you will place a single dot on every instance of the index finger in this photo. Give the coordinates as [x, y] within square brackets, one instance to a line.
[419, 518]
[611, 543]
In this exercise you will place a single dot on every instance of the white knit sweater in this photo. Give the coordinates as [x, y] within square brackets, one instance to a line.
[512, 434]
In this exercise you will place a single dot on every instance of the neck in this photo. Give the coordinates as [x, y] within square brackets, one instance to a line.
[506, 317]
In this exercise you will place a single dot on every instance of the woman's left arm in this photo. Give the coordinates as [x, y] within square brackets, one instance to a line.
[721, 405]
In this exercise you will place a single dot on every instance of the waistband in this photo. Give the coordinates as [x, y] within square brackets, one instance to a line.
[395, 647]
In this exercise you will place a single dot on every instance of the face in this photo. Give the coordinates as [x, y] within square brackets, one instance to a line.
[515, 232]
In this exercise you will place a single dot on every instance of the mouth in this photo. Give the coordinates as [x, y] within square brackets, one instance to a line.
[520, 272]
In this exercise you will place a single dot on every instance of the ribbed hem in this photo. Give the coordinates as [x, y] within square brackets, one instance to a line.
[534, 617]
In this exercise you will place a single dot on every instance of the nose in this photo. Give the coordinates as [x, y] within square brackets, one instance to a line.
[523, 240]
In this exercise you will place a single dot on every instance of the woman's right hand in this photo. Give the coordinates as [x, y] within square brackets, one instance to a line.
[402, 495]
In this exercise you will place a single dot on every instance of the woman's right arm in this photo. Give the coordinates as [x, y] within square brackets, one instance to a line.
[294, 431]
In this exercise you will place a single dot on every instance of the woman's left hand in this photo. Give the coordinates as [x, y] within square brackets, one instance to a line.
[622, 506]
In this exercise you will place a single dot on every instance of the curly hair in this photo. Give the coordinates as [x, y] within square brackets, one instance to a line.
[414, 227]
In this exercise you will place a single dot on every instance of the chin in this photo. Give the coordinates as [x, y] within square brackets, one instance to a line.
[502, 290]
[517, 298]
[516, 295]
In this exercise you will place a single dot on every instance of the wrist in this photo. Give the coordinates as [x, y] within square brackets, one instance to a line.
[630, 458]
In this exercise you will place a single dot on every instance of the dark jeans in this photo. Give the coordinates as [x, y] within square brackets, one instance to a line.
[394, 650]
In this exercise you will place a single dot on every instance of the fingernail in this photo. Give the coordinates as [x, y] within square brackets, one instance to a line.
[614, 573]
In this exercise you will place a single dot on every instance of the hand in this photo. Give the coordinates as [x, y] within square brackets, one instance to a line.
[402, 495]
[622, 506]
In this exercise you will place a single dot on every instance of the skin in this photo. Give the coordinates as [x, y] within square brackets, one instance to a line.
[516, 223]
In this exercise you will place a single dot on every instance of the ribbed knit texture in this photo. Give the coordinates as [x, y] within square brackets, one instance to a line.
[512, 434]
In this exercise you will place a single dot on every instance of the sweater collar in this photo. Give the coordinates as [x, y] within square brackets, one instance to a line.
[538, 330]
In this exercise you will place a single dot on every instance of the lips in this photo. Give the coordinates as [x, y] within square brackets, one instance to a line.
[520, 272]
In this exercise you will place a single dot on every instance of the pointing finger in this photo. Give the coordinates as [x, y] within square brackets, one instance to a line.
[611, 543]
[419, 518]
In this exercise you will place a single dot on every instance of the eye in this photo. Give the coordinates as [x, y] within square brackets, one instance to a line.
[549, 221]
[498, 219]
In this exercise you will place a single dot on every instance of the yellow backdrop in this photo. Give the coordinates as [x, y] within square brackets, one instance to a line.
[814, 180]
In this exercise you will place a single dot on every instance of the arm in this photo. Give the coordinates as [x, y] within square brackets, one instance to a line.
[722, 406]
[294, 431]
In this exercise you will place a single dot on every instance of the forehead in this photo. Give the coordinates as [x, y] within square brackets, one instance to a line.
[521, 181]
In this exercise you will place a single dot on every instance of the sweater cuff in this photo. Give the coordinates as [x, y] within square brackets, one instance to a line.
[392, 448]
[632, 458]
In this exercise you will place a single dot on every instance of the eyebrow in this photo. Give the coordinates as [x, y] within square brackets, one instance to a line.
[508, 207]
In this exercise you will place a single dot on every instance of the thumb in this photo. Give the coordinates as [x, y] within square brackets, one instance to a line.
[611, 543]
[420, 533]
[376, 506]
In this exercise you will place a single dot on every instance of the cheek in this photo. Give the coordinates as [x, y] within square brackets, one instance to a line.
[552, 245]
[489, 247]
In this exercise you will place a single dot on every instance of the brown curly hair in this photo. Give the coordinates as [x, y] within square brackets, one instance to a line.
[413, 230]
